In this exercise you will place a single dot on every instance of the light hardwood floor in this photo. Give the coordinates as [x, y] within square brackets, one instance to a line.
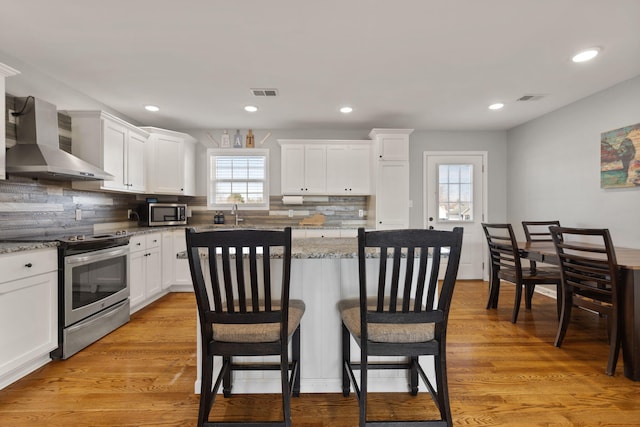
[500, 374]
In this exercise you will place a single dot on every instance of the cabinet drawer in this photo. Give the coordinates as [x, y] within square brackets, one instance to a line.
[19, 265]
[153, 240]
[137, 243]
[323, 233]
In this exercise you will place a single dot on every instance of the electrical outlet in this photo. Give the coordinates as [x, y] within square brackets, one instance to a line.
[360, 213]
[290, 213]
[129, 213]
[11, 119]
[78, 214]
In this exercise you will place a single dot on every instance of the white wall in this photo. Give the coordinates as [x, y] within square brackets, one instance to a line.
[553, 166]
[493, 142]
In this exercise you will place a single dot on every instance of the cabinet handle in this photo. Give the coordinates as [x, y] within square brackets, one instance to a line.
[28, 265]
[138, 244]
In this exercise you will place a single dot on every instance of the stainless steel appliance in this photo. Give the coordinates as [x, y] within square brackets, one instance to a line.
[93, 289]
[160, 214]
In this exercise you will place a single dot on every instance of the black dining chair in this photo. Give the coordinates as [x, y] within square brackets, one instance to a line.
[538, 231]
[244, 309]
[402, 310]
[590, 279]
[506, 265]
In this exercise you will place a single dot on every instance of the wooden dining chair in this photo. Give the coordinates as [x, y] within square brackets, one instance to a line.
[401, 312]
[590, 279]
[506, 265]
[244, 309]
[538, 231]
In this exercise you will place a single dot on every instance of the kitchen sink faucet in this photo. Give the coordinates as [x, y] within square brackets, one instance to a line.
[234, 211]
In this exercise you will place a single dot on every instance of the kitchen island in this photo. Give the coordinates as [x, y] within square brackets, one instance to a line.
[323, 271]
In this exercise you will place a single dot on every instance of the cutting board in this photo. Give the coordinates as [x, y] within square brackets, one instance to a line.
[315, 219]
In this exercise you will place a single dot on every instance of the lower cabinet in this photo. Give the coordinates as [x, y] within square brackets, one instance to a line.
[28, 312]
[145, 274]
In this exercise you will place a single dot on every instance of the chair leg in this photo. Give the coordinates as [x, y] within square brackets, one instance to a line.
[614, 342]
[284, 379]
[206, 395]
[226, 380]
[362, 400]
[295, 356]
[413, 376]
[516, 304]
[442, 383]
[530, 289]
[565, 316]
[494, 290]
[346, 357]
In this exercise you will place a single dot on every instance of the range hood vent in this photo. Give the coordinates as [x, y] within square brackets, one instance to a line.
[37, 151]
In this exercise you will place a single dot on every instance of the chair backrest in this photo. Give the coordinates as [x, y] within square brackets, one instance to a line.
[233, 278]
[408, 293]
[503, 248]
[538, 231]
[587, 261]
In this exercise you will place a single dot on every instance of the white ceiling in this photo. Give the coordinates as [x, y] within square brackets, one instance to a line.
[423, 64]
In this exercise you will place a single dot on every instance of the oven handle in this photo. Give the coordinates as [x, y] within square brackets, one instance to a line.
[95, 256]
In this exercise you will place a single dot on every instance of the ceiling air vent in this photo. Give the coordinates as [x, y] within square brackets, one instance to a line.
[264, 92]
[530, 97]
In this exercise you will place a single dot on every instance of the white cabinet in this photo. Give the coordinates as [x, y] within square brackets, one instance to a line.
[145, 276]
[391, 177]
[175, 272]
[349, 169]
[28, 311]
[5, 71]
[325, 167]
[304, 168]
[113, 145]
[171, 158]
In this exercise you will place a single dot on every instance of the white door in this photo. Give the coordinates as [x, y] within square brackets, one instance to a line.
[456, 187]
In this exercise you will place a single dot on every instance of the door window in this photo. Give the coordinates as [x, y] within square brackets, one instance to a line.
[455, 192]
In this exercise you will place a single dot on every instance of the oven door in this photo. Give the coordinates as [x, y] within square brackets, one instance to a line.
[94, 281]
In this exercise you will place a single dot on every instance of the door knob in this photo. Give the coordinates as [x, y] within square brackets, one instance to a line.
[430, 218]
[431, 227]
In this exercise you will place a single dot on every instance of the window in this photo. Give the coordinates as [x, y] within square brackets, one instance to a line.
[455, 192]
[238, 176]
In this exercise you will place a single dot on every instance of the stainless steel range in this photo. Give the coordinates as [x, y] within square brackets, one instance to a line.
[93, 280]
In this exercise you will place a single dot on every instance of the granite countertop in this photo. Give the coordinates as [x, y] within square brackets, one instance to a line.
[11, 247]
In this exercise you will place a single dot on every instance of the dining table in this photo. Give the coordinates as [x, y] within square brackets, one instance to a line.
[628, 262]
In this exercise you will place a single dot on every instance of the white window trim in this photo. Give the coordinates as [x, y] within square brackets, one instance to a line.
[238, 152]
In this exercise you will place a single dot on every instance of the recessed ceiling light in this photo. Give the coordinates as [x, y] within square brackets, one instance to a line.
[586, 55]
[496, 106]
[346, 110]
[251, 108]
[151, 108]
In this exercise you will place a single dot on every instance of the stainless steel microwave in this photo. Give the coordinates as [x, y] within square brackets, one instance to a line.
[157, 214]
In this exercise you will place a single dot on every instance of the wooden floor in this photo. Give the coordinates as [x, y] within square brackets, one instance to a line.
[500, 374]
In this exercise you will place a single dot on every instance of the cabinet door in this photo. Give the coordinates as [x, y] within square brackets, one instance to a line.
[168, 259]
[337, 169]
[153, 272]
[115, 149]
[358, 169]
[393, 147]
[292, 169]
[136, 279]
[167, 168]
[392, 196]
[315, 169]
[136, 172]
[189, 169]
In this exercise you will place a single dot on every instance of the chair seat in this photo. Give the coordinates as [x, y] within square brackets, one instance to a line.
[541, 275]
[384, 332]
[261, 332]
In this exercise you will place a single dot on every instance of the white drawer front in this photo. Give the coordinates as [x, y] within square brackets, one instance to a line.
[137, 243]
[19, 265]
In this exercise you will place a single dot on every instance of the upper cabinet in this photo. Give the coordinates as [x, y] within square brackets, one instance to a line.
[391, 144]
[391, 177]
[113, 145]
[171, 158]
[5, 71]
[325, 167]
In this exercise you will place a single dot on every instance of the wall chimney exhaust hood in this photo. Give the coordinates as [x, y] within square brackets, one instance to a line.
[37, 151]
